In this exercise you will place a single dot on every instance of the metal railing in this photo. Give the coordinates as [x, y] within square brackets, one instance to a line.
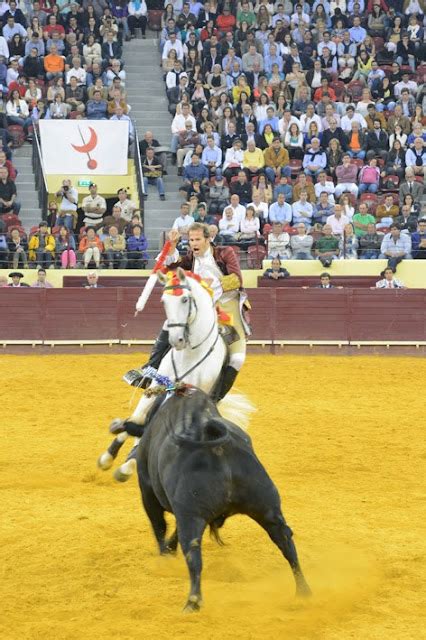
[139, 172]
[39, 174]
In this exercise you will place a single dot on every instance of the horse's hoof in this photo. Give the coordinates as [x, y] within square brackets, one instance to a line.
[105, 461]
[193, 605]
[117, 426]
[123, 473]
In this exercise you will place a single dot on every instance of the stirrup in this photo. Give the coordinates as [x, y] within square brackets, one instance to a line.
[137, 378]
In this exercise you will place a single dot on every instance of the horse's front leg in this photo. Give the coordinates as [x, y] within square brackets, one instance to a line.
[134, 426]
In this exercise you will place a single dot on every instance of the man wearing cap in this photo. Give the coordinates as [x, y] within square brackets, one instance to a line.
[16, 280]
[94, 207]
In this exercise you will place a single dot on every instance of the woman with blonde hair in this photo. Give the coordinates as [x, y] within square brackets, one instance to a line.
[334, 155]
[241, 87]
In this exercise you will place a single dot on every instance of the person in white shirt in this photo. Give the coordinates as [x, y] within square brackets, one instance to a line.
[173, 43]
[126, 206]
[388, 281]
[179, 126]
[337, 221]
[67, 212]
[137, 17]
[261, 209]
[78, 72]
[229, 226]
[233, 159]
[184, 221]
[308, 117]
[286, 121]
[326, 42]
[346, 122]
[324, 185]
[238, 209]
[4, 49]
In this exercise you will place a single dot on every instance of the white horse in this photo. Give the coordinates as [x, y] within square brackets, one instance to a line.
[197, 355]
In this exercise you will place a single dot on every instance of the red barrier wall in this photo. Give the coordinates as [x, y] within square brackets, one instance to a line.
[277, 314]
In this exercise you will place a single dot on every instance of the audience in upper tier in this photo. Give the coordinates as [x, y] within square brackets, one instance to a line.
[298, 127]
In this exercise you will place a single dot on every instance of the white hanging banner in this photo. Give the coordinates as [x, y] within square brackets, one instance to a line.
[82, 147]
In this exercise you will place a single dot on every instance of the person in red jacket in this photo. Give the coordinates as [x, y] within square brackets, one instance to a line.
[226, 21]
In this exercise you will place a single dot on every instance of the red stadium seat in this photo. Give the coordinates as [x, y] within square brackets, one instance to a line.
[379, 43]
[339, 88]
[358, 162]
[390, 179]
[10, 221]
[22, 232]
[356, 88]
[296, 167]
[267, 228]
[255, 255]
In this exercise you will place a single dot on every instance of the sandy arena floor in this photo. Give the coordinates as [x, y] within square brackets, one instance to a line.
[341, 437]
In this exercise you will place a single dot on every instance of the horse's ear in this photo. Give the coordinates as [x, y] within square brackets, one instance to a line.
[181, 274]
[161, 278]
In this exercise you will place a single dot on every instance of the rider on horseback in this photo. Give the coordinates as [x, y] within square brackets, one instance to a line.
[219, 267]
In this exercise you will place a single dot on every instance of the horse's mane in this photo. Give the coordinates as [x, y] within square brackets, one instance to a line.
[173, 280]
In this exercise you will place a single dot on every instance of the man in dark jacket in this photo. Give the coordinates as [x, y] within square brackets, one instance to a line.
[243, 188]
[378, 140]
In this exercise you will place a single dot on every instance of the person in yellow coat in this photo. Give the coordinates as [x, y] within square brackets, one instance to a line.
[240, 87]
[41, 247]
[253, 160]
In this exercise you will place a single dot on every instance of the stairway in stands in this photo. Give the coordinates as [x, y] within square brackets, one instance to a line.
[146, 95]
[27, 195]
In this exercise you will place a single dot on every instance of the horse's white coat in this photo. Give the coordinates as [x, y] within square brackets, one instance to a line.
[202, 334]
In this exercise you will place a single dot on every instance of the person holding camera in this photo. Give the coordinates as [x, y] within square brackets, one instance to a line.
[67, 214]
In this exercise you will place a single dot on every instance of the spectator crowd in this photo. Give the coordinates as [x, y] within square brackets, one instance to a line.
[299, 127]
[61, 60]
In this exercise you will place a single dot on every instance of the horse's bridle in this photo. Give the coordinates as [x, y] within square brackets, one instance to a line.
[185, 326]
[192, 303]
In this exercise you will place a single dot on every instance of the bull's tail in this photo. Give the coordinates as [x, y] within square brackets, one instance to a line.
[214, 530]
[211, 434]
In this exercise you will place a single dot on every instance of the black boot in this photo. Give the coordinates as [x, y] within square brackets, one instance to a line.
[136, 377]
[225, 384]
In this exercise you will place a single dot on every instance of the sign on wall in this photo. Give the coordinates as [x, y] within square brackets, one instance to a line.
[97, 147]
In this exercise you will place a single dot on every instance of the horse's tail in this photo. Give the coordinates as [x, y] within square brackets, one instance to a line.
[237, 408]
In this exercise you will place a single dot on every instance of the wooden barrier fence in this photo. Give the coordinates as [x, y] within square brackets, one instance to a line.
[278, 314]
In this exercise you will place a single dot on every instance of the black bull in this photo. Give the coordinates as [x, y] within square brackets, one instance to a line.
[202, 468]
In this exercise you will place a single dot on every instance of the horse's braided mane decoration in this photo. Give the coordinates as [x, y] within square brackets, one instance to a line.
[173, 281]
